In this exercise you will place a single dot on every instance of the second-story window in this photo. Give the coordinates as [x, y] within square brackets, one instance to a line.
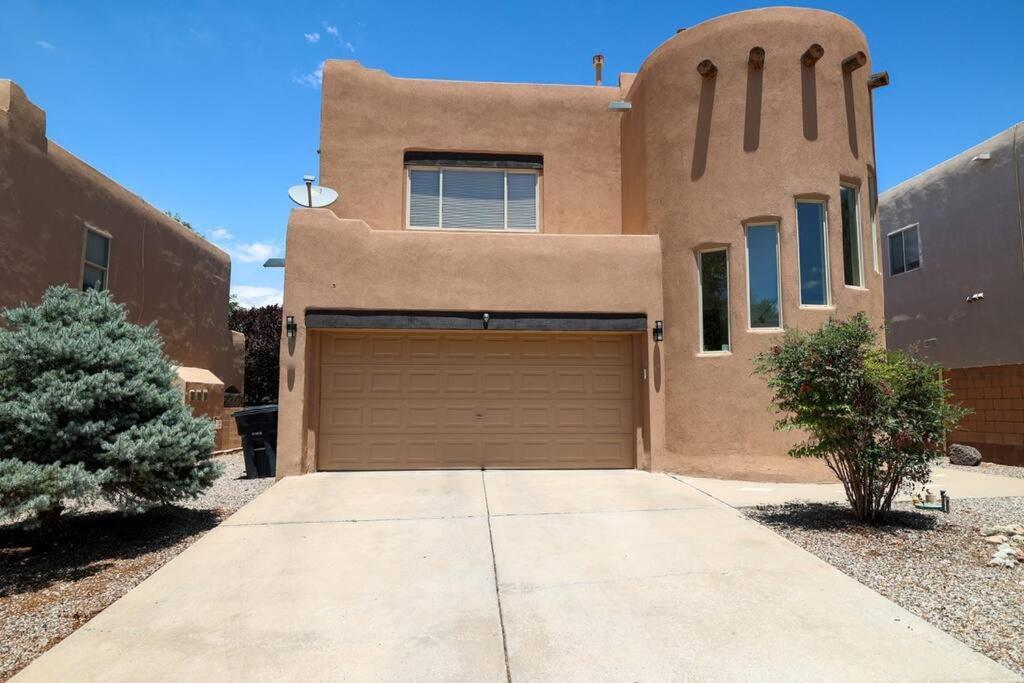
[473, 191]
[850, 209]
[904, 250]
[97, 255]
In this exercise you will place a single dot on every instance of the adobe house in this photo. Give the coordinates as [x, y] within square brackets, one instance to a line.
[556, 276]
[62, 222]
[954, 286]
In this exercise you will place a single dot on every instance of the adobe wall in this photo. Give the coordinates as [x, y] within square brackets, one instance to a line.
[709, 155]
[335, 263]
[370, 119]
[968, 214]
[161, 271]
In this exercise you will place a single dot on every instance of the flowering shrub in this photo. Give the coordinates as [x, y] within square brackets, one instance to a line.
[876, 418]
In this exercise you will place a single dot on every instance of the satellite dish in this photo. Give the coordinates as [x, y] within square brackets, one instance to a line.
[312, 196]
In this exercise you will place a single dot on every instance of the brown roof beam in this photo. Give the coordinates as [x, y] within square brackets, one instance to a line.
[854, 62]
[811, 55]
[707, 69]
[756, 60]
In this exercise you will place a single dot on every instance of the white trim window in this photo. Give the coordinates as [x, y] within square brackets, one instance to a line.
[853, 262]
[873, 218]
[466, 198]
[764, 290]
[812, 252]
[95, 262]
[905, 249]
[713, 275]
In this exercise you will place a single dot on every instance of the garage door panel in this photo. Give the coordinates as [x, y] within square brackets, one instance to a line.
[448, 400]
[375, 416]
[508, 451]
[412, 381]
[475, 348]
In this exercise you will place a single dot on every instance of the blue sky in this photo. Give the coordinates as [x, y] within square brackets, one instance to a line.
[211, 109]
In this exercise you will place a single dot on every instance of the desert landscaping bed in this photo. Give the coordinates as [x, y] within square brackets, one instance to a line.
[47, 590]
[933, 565]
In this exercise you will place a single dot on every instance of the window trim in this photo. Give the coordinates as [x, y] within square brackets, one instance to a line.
[860, 235]
[876, 247]
[828, 305]
[477, 169]
[700, 303]
[106, 269]
[920, 251]
[778, 275]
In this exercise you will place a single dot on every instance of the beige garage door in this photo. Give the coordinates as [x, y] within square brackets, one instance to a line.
[475, 399]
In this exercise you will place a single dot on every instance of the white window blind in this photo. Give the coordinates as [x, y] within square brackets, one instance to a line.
[425, 198]
[472, 199]
[522, 201]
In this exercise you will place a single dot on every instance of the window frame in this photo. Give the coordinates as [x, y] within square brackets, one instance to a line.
[859, 234]
[700, 302]
[920, 251]
[778, 276]
[85, 262]
[828, 305]
[440, 169]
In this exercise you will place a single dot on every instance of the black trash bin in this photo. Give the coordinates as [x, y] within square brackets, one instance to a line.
[258, 428]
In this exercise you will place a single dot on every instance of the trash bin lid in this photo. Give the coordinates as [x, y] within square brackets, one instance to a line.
[256, 410]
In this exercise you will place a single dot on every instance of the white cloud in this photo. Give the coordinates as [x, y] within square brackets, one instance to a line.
[253, 252]
[221, 233]
[333, 30]
[46, 45]
[251, 296]
[350, 46]
[314, 79]
[312, 37]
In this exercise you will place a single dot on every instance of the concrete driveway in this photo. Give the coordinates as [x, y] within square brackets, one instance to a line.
[522, 576]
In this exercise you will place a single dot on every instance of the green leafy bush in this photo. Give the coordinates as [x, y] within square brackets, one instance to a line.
[88, 409]
[876, 418]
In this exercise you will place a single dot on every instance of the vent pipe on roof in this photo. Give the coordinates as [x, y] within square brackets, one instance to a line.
[598, 66]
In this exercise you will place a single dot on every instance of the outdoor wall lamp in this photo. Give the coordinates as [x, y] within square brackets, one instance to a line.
[658, 333]
[290, 327]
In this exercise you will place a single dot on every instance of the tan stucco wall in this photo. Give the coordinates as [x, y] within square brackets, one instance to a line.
[370, 119]
[969, 217]
[336, 263]
[160, 270]
[694, 166]
[699, 176]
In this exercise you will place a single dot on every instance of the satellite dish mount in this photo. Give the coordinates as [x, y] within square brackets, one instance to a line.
[312, 196]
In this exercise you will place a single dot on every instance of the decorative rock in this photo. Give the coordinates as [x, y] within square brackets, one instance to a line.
[998, 538]
[1002, 561]
[959, 454]
[1003, 529]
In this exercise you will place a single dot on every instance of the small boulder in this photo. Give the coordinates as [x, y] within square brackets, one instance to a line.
[997, 539]
[959, 454]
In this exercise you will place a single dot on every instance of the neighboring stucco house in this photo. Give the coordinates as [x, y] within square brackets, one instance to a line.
[545, 276]
[62, 222]
[954, 289]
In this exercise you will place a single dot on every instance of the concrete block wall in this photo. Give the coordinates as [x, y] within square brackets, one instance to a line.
[996, 395]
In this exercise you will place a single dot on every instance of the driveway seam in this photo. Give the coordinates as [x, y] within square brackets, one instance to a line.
[497, 587]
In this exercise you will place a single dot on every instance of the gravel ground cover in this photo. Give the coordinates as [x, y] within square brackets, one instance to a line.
[989, 468]
[933, 565]
[49, 587]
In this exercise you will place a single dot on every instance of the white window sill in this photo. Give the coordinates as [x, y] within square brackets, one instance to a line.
[818, 307]
[766, 330]
[713, 354]
[856, 288]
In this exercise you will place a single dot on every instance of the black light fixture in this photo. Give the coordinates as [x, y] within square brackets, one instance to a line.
[290, 327]
[659, 331]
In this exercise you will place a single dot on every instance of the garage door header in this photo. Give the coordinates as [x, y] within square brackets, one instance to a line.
[483, 320]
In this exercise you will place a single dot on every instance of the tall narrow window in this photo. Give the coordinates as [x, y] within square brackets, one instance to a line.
[904, 250]
[97, 255]
[812, 252]
[849, 199]
[714, 300]
[873, 219]
[763, 276]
